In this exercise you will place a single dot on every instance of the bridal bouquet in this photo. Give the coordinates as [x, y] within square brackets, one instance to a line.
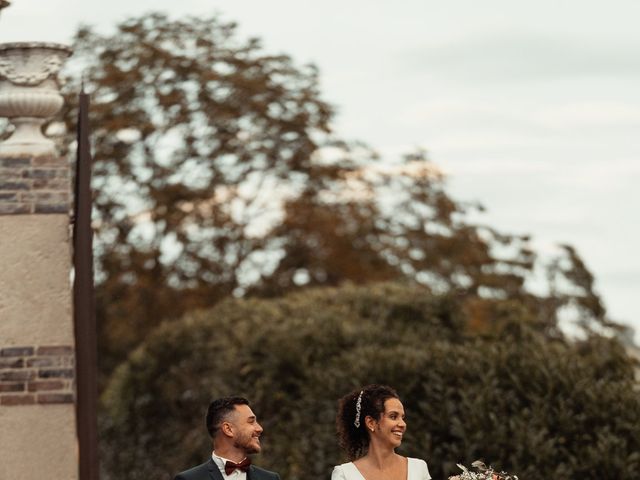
[483, 473]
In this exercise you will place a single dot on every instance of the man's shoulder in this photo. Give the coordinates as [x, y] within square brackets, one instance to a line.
[258, 473]
[195, 473]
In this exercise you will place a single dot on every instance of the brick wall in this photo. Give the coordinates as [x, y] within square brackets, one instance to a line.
[34, 185]
[36, 374]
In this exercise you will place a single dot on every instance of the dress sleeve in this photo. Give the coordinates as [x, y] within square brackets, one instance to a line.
[338, 473]
[425, 471]
[418, 470]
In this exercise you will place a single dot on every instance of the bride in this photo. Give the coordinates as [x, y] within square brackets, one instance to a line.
[371, 423]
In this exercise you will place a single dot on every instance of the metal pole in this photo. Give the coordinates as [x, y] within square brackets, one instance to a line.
[83, 301]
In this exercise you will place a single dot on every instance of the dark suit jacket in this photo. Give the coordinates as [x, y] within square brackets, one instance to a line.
[210, 471]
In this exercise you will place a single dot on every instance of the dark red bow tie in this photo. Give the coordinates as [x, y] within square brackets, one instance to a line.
[230, 466]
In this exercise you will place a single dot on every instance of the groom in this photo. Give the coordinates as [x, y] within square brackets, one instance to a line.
[236, 435]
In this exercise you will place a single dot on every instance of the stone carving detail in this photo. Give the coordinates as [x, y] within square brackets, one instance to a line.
[51, 66]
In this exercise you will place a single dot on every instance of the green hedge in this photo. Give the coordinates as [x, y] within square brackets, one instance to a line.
[541, 408]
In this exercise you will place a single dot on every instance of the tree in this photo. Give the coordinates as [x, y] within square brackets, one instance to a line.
[192, 129]
[217, 174]
[539, 407]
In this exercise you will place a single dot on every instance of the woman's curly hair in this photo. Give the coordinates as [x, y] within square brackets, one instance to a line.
[355, 440]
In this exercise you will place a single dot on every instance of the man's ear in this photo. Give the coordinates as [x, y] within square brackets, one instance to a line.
[227, 429]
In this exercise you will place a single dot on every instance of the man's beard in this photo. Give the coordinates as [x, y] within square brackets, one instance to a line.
[247, 445]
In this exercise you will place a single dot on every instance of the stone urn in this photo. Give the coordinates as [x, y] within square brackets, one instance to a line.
[30, 93]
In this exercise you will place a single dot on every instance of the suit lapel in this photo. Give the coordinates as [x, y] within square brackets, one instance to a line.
[253, 474]
[214, 471]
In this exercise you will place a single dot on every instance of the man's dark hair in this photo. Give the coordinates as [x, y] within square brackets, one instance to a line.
[219, 409]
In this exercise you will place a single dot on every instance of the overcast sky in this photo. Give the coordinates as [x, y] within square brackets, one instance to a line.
[533, 110]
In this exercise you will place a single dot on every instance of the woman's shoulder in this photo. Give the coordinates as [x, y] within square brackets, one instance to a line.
[418, 469]
[342, 471]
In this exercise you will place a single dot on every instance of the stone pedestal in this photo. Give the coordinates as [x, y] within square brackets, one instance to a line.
[37, 411]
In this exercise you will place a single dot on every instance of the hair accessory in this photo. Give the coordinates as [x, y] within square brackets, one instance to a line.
[356, 422]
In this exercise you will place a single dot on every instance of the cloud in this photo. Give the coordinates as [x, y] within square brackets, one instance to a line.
[526, 56]
[588, 114]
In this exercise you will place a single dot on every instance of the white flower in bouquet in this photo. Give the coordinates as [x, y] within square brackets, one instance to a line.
[483, 473]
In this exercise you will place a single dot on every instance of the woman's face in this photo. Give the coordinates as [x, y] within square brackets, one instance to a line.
[391, 426]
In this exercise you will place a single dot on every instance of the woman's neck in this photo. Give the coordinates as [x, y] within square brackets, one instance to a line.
[380, 457]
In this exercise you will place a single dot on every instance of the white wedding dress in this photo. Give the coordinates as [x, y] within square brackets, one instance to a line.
[416, 470]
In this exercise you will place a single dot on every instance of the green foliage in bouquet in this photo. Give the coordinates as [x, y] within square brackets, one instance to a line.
[522, 402]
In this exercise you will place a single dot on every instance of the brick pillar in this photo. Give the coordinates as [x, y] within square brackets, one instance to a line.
[37, 415]
[37, 411]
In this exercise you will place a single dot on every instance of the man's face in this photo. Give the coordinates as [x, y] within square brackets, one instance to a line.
[246, 429]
